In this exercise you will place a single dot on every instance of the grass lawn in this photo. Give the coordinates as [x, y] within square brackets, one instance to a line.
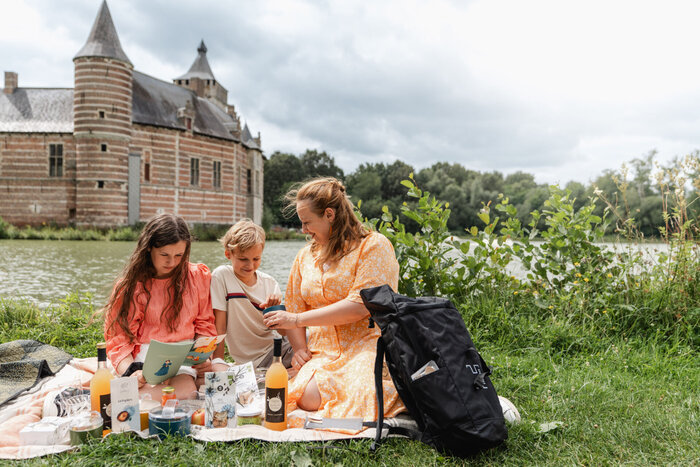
[616, 401]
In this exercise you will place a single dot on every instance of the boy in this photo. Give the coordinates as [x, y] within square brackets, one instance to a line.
[239, 293]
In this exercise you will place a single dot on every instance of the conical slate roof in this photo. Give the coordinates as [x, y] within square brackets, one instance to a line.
[247, 138]
[200, 68]
[103, 40]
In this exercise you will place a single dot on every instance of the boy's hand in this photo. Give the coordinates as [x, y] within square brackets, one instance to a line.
[272, 300]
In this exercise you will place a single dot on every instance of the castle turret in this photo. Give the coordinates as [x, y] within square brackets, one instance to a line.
[200, 79]
[102, 125]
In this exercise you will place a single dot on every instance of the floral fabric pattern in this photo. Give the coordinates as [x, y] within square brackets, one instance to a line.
[343, 355]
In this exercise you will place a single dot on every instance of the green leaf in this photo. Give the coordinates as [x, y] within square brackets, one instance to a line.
[547, 427]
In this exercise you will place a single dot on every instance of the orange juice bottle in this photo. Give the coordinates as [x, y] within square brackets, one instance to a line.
[276, 381]
[100, 397]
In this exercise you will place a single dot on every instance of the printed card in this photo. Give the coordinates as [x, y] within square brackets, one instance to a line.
[246, 385]
[125, 404]
[220, 399]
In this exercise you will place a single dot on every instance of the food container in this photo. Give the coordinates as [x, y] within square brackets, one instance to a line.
[168, 394]
[249, 416]
[146, 405]
[47, 431]
[84, 427]
[164, 423]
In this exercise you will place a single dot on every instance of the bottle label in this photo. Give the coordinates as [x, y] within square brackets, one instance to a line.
[106, 410]
[275, 405]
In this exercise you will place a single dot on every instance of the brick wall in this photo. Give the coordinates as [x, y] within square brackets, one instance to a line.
[28, 195]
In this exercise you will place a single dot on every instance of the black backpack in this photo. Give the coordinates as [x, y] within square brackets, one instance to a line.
[441, 378]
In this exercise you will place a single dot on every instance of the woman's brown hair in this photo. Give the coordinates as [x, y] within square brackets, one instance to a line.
[162, 230]
[346, 230]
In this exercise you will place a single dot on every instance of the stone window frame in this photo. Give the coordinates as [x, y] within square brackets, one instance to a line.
[249, 181]
[194, 171]
[56, 160]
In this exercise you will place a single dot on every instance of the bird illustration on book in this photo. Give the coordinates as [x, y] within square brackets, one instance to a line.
[164, 369]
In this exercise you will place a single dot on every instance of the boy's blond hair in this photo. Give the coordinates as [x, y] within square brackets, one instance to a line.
[243, 235]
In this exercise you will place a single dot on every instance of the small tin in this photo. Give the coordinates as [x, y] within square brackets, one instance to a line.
[177, 423]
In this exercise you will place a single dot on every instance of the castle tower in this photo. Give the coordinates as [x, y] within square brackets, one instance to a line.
[200, 79]
[102, 120]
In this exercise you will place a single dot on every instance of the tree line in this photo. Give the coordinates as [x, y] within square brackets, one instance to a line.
[635, 197]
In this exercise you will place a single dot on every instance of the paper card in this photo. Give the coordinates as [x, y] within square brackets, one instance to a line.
[125, 404]
[246, 385]
[220, 399]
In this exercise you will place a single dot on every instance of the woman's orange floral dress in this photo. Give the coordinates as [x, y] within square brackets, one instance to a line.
[343, 356]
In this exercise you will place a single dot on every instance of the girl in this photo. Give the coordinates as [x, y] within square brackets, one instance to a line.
[159, 295]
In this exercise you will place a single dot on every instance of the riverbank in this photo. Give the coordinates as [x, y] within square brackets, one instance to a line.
[201, 232]
[605, 400]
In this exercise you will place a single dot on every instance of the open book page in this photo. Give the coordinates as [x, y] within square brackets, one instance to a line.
[163, 359]
[202, 348]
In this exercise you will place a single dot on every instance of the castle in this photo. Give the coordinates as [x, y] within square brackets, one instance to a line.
[122, 146]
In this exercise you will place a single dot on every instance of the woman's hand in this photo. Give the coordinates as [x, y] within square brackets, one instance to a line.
[280, 320]
[300, 358]
[272, 300]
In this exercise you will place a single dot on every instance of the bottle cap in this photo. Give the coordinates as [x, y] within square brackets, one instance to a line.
[101, 345]
[168, 390]
[277, 347]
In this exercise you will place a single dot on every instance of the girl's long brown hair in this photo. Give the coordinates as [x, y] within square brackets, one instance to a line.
[162, 230]
[347, 230]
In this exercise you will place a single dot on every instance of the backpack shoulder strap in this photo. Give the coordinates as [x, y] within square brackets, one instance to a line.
[379, 388]
[379, 425]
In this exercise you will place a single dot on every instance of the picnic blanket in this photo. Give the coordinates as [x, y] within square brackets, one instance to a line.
[27, 408]
[23, 363]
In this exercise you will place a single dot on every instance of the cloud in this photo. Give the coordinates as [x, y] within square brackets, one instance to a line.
[553, 88]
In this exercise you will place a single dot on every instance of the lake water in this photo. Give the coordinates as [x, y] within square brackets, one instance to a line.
[46, 271]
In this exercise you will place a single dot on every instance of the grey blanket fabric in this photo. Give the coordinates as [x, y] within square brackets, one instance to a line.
[23, 363]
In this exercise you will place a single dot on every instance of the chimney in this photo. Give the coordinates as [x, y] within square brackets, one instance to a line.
[10, 82]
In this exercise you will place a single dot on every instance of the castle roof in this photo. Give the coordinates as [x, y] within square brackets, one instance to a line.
[247, 138]
[156, 102]
[200, 68]
[103, 40]
[37, 110]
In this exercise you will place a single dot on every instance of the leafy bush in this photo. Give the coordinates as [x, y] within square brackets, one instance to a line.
[573, 285]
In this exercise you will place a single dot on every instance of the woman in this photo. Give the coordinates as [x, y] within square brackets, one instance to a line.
[335, 372]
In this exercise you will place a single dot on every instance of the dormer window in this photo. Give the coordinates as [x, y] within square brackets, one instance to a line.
[188, 123]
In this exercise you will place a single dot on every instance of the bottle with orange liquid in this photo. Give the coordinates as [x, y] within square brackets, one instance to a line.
[276, 380]
[100, 396]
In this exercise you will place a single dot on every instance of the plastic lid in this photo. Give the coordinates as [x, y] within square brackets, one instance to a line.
[168, 390]
[157, 414]
[249, 411]
[86, 421]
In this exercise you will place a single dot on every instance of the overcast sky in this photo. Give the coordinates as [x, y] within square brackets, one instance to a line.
[561, 89]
